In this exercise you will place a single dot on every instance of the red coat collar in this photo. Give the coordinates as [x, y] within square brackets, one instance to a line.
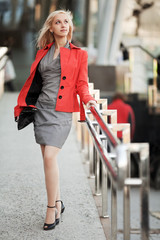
[72, 46]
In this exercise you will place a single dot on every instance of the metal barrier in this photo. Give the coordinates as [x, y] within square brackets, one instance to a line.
[103, 147]
[3, 60]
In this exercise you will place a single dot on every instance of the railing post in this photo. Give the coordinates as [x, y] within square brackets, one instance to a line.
[82, 136]
[113, 212]
[91, 157]
[97, 175]
[104, 188]
[126, 203]
[91, 154]
[144, 174]
[97, 169]
[126, 212]
[104, 192]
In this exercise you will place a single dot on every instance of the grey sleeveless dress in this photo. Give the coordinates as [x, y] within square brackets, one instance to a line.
[51, 127]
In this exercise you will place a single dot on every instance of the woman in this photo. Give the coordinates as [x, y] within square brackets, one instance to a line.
[58, 74]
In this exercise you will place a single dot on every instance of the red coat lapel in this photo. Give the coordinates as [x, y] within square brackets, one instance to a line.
[68, 58]
[40, 54]
[65, 56]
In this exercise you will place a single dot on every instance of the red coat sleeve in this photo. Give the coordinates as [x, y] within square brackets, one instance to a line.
[82, 82]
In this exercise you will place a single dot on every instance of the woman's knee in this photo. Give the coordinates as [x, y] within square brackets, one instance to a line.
[49, 160]
[50, 156]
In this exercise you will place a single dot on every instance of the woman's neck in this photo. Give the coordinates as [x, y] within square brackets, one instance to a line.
[60, 42]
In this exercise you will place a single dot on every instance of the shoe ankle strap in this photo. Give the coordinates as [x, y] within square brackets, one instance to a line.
[58, 200]
[51, 206]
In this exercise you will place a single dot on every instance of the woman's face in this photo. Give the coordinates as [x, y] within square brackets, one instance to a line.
[60, 25]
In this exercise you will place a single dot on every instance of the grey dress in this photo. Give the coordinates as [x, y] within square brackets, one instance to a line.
[51, 127]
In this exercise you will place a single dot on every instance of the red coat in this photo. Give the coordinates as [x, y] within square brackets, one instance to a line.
[125, 114]
[74, 80]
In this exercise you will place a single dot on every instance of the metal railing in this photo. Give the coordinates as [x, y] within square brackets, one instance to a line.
[3, 60]
[3, 57]
[153, 92]
[111, 158]
[144, 50]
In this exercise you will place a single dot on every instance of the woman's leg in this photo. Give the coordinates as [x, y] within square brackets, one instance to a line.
[58, 204]
[51, 178]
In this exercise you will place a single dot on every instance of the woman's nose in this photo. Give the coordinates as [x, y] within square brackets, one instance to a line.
[63, 24]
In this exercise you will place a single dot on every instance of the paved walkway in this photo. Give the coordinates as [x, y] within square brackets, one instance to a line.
[23, 198]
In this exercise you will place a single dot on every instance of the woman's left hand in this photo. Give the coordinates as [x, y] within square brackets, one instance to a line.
[91, 103]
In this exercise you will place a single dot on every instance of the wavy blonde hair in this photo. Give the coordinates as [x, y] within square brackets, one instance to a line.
[45, 36]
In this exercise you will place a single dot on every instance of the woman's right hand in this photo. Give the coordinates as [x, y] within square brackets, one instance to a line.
[91, 103]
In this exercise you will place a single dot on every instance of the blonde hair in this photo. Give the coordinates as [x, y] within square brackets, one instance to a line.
[45, 36]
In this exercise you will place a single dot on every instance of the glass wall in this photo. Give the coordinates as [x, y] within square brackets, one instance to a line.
[20, 21]
[17, 31]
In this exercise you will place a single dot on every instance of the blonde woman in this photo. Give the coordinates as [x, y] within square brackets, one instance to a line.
[58, 74]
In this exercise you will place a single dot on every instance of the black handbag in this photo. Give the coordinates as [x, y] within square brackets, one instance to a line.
[26, 117]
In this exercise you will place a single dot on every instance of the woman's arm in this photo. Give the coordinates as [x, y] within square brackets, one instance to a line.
[82, 82]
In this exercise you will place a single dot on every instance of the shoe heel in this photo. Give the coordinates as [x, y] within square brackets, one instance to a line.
[61, 218]
[62, 205]
[62, 210]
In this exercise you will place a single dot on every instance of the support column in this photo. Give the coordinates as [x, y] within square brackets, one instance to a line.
[101, 4]
[116, 35]
[14, 4]
[89, 24]
[105, 30]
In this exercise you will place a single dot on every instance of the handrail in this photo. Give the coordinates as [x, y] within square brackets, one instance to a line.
[145, 50]
[114, 141]
[118, 172]
[116, 164]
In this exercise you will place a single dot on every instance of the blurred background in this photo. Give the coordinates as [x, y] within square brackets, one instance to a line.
[100, 26]
[122, 38]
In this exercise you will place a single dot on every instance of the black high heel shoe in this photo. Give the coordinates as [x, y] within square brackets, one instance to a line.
[62, 210]
[51, 226]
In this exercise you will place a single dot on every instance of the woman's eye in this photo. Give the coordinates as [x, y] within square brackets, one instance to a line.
[58, 22]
